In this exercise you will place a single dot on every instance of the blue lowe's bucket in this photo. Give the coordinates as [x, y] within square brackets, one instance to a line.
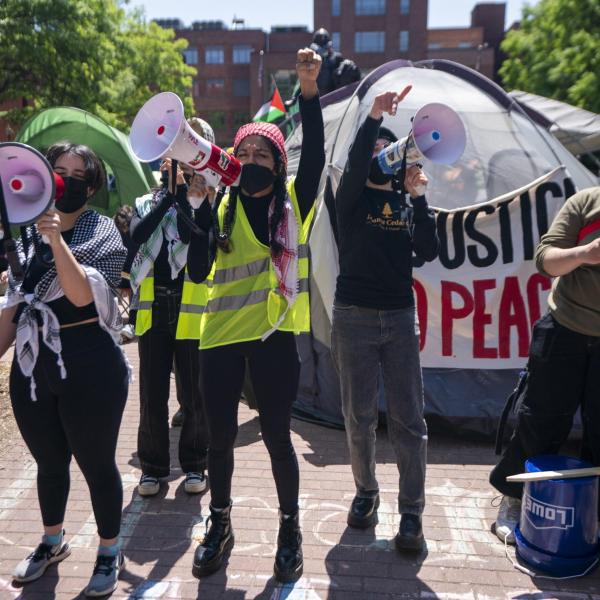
[558, 530]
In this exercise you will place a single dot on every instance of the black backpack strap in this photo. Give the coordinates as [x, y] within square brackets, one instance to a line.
[511, 405]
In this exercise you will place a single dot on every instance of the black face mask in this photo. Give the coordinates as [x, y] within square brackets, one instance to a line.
[74, 196]
[376, 175]
[256, 178]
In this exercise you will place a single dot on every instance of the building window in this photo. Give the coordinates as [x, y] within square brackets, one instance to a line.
[215, 85]
[216, 119]
[464, 45]
[369, 41]
[214, 55]
[404, 7]
[370, 7]
[241, 88]
[434, 46]
[240, 118]
[336, 8]
[190, 56]
[336, 41]
[241, 55]
[403, 40]
[285, 80]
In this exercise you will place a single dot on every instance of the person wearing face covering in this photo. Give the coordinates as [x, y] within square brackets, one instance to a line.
[162, 298]
[254, 257]
[375, 332]
[69, 378]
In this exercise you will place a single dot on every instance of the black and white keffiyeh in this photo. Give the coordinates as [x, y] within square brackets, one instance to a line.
[97, 246]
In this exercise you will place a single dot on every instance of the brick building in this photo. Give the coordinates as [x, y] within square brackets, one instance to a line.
[477, 46]
[372, 32]
[236, 69]
[237, 66]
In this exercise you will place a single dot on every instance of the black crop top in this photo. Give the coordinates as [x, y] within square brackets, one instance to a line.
[66, 312]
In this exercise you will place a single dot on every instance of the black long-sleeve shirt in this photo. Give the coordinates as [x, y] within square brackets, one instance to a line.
[377, 233]
[141, 228]
[310, 167]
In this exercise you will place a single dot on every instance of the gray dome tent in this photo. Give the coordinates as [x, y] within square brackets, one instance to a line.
[506, 151]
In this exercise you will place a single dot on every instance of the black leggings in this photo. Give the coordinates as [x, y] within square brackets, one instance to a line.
[78, 416]
[274, 371]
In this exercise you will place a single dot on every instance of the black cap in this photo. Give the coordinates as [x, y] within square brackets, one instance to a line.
[387, 134]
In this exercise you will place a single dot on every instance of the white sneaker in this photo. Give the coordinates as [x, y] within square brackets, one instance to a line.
[105, 577]
[509, 514]
[148, 485]
[39, 560]
[195, 483]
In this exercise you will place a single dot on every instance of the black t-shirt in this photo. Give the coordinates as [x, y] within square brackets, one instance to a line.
[66, 312]
[377, 234]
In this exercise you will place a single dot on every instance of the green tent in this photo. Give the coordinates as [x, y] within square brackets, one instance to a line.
[127, 177]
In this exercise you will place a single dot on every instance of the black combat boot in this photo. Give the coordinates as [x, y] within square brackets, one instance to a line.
[410, 535]
[216, 543]
[288, 560]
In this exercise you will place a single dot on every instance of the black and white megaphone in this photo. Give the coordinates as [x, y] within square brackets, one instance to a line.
[160, 130]
[438, 134]
[28, 188]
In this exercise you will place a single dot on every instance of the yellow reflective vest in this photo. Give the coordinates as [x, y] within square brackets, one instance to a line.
[143, 319]
[242, 298]
[193, 303]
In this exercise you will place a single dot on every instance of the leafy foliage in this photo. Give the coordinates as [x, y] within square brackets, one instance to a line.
[91, 54]
[556, 52]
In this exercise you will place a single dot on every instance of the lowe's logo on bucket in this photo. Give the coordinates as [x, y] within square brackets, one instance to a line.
[548, 516]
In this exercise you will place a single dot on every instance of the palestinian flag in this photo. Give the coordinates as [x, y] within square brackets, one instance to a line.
[271, 111]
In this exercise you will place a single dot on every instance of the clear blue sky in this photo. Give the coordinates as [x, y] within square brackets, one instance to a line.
[265, 13]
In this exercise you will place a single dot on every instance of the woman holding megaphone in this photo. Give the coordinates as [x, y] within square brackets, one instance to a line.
[69, 378]
[256, 264]
[158, 278]
[375, 330]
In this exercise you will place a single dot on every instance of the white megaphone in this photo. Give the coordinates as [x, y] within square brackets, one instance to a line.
[160, 130]
[29, 185]
[438, 134]
[28, 188]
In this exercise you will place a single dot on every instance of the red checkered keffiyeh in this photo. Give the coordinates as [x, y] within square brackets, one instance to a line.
[286, 262]
[267, 130]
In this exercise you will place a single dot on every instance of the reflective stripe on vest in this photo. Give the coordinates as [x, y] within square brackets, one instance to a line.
[143, 319]
[243, 303]
[193, 305]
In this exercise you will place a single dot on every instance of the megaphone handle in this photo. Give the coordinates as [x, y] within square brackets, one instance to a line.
[173, 186]
[12, 257]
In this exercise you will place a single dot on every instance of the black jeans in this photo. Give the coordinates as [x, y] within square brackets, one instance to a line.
[159, 351]
[564, 374]
[78, 416]
[274, 371]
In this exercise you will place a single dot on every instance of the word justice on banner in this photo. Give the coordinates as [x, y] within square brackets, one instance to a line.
[478, 301]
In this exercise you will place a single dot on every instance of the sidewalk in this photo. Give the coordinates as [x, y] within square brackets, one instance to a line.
[464, 560]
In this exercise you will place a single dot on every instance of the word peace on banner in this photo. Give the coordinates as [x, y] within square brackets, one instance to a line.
[478, 301]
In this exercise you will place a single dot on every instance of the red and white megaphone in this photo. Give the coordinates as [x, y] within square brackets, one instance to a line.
[29, 185]
[438, 134]
[160, 130]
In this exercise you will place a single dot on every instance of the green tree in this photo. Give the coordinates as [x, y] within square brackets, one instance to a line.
[556, 52]
[90, 54]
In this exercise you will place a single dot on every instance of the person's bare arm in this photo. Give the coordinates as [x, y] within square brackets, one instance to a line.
[8, 329]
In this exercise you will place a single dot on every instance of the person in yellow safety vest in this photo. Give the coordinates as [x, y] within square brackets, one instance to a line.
[254, 253]
[157, 275]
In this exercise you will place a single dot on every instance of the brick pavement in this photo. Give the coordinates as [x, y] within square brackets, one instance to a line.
[463, 560]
